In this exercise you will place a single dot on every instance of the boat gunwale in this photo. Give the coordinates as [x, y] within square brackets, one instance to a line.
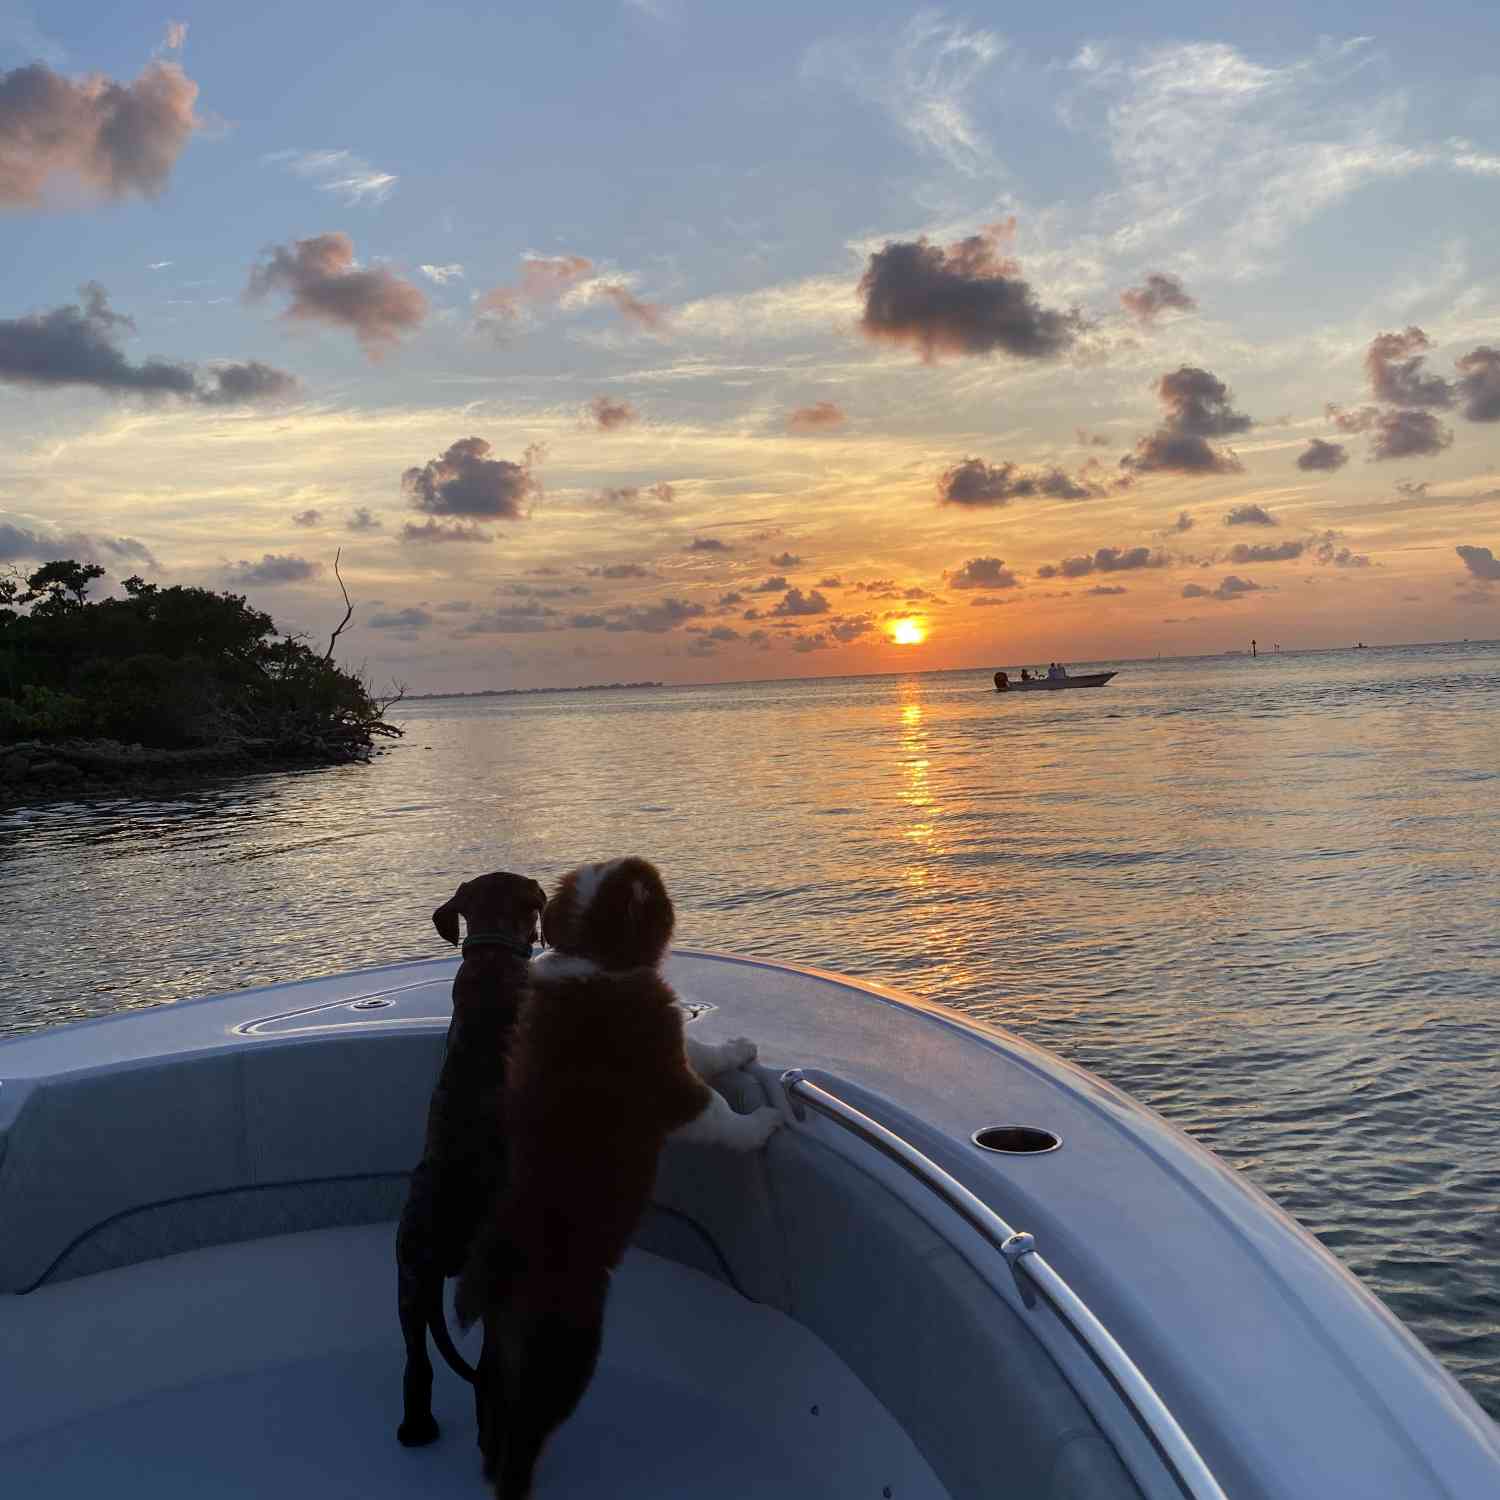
[1326, 1302]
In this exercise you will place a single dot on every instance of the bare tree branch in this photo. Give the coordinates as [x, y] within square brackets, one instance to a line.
[348, 607]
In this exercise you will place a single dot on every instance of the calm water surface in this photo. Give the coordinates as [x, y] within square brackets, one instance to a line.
[1261, 896]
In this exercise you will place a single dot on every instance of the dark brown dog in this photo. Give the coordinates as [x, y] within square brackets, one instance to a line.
[599, 1077]
[463, 1159]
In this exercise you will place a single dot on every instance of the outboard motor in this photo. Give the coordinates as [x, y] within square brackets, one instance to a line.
[1002, 682]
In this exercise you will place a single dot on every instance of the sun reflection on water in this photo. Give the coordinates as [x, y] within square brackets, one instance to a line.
[1248, 894]
[916, 791]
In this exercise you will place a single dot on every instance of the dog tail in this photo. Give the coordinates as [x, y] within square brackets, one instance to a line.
[491, 1264]
[437, 1325]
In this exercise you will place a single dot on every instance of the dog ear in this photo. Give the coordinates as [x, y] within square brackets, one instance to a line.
[551, 922]
[445, 918]
[538, 907]
[637, 902]
[554, 918]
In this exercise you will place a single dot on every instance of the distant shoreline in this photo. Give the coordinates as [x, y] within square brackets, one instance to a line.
[1074, 664]
[588, 687]
[33, 772]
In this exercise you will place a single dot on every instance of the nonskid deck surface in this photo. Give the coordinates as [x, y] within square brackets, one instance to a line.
[273, 1368]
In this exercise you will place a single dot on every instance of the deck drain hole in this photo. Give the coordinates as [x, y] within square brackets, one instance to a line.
[1016, 1140]
[372, 1004]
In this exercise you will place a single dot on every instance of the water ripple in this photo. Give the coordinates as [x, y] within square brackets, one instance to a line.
[1259, 895]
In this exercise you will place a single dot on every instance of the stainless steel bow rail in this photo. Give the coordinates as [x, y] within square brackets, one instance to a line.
[1033, 1275]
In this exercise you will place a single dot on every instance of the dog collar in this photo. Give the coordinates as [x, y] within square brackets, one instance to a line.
[498, 940]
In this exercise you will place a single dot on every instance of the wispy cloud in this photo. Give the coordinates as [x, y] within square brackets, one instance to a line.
[543, 279]
[1467, 159]
[813, 306]
[650, 316]
[922, 76]
[1232, 155]
[442, 275]
[343, 173]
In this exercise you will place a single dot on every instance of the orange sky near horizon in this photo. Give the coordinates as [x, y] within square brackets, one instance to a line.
[1217, 356]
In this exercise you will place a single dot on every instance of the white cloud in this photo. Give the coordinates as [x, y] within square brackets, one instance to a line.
[341, 172]
[443, 274]
[921, 77]
[1468, 159]
[796, 309]
[1233, 154]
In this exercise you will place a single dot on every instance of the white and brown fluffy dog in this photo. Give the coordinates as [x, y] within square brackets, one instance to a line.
[600, 1075]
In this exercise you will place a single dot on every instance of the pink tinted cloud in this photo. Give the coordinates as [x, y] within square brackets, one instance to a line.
[608, 415]
[544, 278]
[821, 416]
[648, 315]
[324, 285]
[115, 139]
[1161, 293]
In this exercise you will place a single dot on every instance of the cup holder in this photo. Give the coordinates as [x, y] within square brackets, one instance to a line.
[1016, 1140]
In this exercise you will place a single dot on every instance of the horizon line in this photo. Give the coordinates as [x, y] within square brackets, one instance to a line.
[1115, 661]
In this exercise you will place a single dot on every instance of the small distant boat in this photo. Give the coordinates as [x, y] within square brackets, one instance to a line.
[1004, 683]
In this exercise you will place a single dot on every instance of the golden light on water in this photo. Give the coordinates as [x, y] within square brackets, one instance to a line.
[908, 632]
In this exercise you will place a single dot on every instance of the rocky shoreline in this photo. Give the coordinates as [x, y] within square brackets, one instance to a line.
[38, 771]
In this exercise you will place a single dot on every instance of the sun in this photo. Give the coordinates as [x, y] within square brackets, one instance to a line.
[908, 633]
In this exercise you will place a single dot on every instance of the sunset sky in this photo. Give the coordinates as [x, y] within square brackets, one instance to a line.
[676, 340]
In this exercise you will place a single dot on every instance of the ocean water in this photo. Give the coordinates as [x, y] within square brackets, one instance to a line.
[1262, 896]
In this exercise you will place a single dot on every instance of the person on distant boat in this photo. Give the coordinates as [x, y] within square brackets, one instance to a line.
[1025, 675]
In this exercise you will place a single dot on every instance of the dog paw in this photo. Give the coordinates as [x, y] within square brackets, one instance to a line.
[737, 1052]
[761, 1124]
[417, 1432]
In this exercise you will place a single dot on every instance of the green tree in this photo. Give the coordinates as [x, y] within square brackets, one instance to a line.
[56, 587]
[170, 667]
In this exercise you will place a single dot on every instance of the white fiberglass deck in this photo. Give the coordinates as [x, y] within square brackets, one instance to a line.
[196, 1279]
[273, 1368]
